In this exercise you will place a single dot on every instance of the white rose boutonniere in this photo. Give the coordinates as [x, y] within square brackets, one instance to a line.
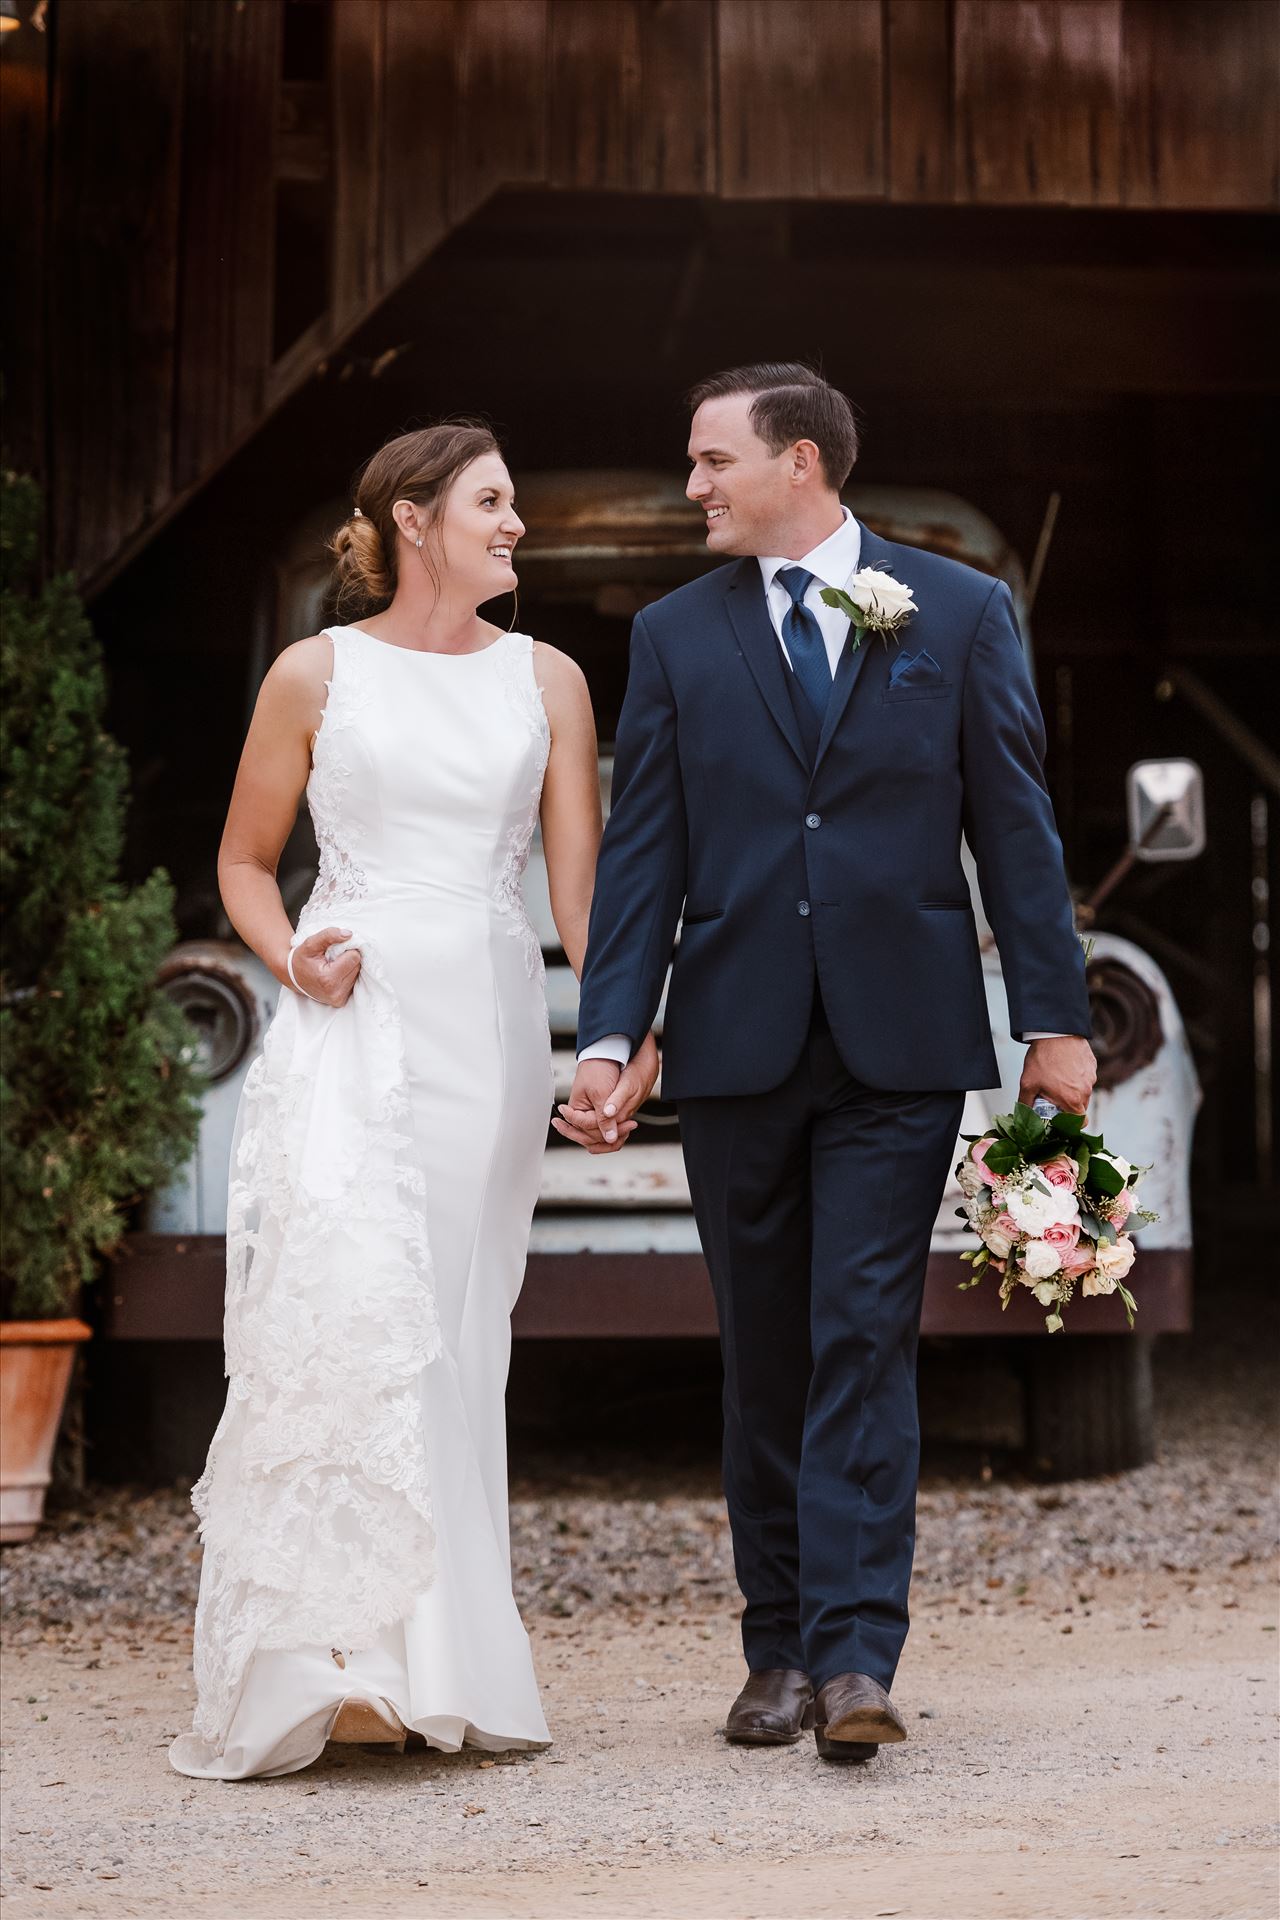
[874, 602]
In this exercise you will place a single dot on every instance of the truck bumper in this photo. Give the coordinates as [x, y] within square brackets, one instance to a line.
[170, 1287]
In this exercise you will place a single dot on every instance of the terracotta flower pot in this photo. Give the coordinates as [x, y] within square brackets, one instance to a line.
[35, 1367]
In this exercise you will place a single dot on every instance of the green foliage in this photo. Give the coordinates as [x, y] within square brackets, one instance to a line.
[98, 1097]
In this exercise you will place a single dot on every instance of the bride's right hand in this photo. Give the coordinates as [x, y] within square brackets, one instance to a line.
[329, 981]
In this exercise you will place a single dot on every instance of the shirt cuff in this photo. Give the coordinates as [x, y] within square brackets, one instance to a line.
[1029, 1037]
[614, 1046]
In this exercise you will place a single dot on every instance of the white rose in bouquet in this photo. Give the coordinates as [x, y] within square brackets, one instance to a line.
[1034, 1210]
[1115, 1257]
[997, 1242]
[1040, 1259]
[1095, 1282]
[970, 1180]
[1045, 1292]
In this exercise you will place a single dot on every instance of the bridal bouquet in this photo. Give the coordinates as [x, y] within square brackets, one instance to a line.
[1051, 1205]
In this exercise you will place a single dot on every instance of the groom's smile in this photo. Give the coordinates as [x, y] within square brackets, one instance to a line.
[755, 500]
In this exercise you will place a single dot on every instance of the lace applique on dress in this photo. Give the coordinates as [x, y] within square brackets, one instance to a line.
[340, 880]
[515, 665]
[315, 1503]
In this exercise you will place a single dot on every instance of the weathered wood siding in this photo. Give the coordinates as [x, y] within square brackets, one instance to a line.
[166, 134]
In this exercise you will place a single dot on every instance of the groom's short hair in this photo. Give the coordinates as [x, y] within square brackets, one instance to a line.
[791, 403]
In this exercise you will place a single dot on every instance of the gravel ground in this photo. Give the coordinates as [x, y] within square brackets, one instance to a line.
[1090, 1686]
[593, 1538]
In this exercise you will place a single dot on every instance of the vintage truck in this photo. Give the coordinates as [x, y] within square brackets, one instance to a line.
[615, 1250]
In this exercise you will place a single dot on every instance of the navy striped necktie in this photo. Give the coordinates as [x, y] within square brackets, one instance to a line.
[804, 641]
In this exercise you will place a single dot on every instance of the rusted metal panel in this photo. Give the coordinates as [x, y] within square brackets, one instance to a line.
[166, 1288]
[1037, 87]
[801, 99]
[582, 521]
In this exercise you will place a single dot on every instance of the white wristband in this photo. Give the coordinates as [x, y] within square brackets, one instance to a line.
[294, 978]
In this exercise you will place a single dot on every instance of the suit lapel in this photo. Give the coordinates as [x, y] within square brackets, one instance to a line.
[873, 552]
[750, 616]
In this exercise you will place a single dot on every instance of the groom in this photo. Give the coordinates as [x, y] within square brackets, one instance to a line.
[800, 797]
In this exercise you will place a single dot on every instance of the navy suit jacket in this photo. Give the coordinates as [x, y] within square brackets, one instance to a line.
[838, 867]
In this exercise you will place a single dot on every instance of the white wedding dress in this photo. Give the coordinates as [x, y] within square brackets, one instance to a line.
[386, 1161]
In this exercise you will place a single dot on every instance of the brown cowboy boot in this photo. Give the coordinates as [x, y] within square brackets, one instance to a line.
[852, 1716]
[772, 1710]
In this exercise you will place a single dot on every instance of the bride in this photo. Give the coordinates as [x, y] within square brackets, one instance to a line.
[356, 1579]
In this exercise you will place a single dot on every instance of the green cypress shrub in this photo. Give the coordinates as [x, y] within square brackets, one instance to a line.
[99, 1099]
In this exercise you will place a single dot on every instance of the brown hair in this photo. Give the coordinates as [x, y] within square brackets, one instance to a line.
[419, 466]
[792, 403]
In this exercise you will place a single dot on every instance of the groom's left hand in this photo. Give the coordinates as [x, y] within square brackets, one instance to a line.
[1063, 1070]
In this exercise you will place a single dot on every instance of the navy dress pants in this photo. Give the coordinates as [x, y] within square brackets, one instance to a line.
[815, 1203]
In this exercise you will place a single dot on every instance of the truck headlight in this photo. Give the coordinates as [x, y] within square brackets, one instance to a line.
[202, 978]
[1126, 1021]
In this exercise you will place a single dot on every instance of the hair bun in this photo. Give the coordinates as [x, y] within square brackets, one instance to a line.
[363, 580]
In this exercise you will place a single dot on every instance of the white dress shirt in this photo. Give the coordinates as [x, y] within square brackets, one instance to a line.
[833, 562]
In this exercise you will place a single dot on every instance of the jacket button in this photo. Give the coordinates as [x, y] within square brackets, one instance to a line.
[813, 819]
[802, 906]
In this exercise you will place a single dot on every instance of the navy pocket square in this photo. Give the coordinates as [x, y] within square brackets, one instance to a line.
[909, 669]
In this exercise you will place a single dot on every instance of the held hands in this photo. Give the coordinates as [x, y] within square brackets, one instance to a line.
[1063, 1069]
[599, 1113]
[329, 981]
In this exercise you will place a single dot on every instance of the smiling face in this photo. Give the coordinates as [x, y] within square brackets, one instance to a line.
[478, 530]
[749, 495]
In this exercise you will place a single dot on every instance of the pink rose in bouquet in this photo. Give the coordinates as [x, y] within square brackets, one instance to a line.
[1063, 1235]
[1002, 1235]
[1059, 1172]
[978, 1154]
[1120, 1209]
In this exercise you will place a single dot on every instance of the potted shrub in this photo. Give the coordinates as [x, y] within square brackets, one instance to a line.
[97, 1089]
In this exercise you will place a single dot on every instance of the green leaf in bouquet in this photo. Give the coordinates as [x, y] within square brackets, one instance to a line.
[1130, 1304]
[1027, 1129]
[1104, 1178]
[1002, 1158]
[1068, 1123]
[1094, 1225]
[1081, 1157]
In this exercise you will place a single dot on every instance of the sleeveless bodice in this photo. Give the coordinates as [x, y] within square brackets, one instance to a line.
[426, 777]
